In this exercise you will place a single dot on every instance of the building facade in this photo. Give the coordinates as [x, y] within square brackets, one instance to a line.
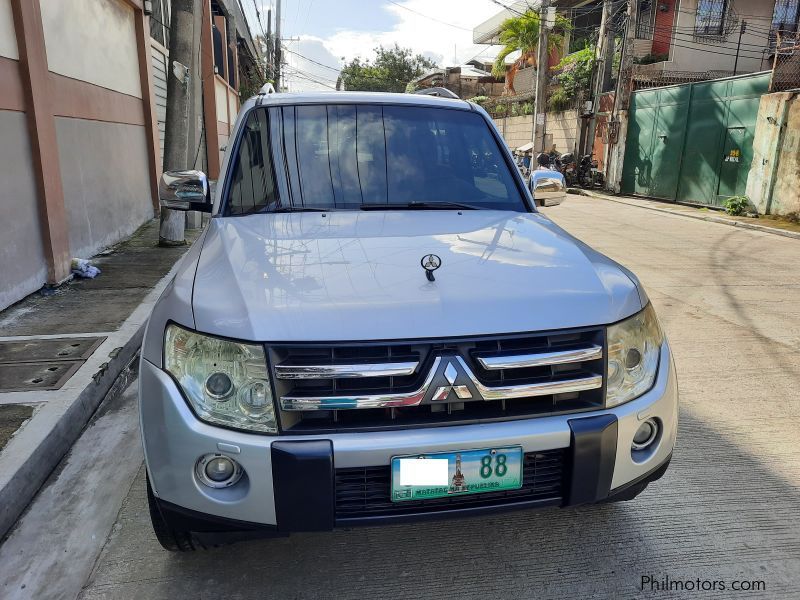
[81, 124]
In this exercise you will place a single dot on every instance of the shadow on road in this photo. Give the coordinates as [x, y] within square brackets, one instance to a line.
[719, 513]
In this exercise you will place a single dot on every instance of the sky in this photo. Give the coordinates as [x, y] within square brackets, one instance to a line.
[332, 31]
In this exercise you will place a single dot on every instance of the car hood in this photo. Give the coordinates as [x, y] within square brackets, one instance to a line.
[353, 275]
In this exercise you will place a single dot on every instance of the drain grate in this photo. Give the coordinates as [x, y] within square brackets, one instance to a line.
[28, 365]
[50, 349]
[24, 377]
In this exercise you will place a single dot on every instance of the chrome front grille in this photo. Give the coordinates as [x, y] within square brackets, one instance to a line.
[365, 386]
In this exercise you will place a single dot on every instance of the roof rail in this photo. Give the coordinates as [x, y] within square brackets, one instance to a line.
[267, 88]
[438, 91]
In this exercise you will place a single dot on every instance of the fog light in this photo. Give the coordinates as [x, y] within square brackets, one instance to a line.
[218, 471]
[645, 435]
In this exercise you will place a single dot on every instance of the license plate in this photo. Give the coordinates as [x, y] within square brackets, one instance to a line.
[443, 474]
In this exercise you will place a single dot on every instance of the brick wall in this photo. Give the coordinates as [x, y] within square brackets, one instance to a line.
[662, 32]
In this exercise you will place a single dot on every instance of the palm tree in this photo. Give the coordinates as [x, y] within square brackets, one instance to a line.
[522, 34]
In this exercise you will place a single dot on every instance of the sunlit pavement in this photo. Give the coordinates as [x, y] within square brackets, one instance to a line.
[725, 512]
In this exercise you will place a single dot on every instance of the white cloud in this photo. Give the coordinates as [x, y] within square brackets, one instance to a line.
[310, 65]
[427, 35]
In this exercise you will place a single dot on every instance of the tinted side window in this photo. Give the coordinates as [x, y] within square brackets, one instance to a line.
[252, 186]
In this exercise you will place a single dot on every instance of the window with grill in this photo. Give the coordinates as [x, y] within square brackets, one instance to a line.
[645, 21]
[785, 19]
[711, 17]
[159, 22]
[786, 15]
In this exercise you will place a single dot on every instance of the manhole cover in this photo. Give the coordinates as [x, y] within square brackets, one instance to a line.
[50, 349]
[29, 376]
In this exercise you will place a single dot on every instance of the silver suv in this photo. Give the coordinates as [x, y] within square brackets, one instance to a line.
[378, 325]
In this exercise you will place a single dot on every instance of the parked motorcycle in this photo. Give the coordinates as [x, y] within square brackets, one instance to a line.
[588, 175]
[569, 169]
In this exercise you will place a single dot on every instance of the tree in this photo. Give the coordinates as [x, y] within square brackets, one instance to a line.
[522, 34]
[390, 71]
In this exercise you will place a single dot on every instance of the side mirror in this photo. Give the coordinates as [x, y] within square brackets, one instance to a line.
[185, 190]
[548, 188]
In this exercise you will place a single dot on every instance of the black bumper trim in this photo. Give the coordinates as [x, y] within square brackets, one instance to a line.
[445, 514]
[186, 519]
[633, 488]
[303, 483]
[594, 452]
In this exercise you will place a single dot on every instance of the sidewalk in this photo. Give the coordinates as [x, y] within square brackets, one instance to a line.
[763, 224]
[61, 351]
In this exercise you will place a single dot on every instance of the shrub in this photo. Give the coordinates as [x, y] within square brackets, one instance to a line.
[737, 205]
[575, 72]
[479, 100]
[559, 100]
[649, 59]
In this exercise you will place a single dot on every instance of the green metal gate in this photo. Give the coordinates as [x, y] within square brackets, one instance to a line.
[693, 142]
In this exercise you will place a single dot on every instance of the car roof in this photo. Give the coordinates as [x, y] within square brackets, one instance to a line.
[290, 98]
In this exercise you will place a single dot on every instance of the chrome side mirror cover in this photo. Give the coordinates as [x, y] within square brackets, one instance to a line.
[548, 187]
[184, 190]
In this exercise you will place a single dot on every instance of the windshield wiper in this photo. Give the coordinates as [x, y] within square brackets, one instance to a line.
[288, 209]
[418, 205]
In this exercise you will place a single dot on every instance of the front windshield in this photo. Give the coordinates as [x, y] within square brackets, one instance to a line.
[335, 157]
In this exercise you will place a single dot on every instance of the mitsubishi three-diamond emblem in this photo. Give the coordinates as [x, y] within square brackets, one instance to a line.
[451, 375]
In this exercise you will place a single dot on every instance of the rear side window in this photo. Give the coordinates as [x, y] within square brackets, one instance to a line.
[343, 156]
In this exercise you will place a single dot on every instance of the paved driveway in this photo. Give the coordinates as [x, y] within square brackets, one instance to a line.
[726, 511]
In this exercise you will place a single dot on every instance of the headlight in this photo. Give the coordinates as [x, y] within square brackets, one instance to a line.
[634, 346]
[225, 382]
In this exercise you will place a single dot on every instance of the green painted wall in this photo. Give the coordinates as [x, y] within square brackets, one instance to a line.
[693, 142]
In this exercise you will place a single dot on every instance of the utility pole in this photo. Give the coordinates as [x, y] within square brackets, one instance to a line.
[176, 134]
[542, 60]
[608, 48]
[277, 45]
[269, 44]
[622, 99]
[625, 78]
[739, 46]
[604, 56]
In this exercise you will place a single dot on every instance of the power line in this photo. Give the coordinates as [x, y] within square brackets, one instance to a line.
[416, 12]
[258, 17]
[312, 60]
[307, 77]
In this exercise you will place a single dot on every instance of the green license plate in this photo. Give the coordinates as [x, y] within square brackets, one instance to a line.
[443, 474]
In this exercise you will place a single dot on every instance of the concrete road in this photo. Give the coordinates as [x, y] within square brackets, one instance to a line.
[724, 515]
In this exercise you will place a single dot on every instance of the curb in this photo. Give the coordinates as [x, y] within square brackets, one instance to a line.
[711, 219]
[39, 445]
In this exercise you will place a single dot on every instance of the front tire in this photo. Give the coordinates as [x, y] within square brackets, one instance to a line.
[174, 540]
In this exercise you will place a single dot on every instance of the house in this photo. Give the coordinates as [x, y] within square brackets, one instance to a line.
[466, 81]
[676, 40]
[690, 40]
[82, 106]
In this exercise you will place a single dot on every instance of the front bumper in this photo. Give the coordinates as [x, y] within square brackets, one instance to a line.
[290, 481]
